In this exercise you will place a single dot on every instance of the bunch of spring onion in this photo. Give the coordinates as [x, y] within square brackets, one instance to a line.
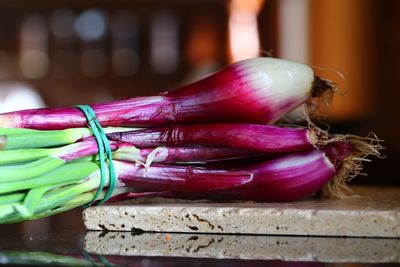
[209, 139]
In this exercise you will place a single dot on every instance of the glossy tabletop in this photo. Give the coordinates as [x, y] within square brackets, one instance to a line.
[63, 240]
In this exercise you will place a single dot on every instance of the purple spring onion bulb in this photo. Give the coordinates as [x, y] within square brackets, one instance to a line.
[289, 177]
[253, 137]
[258, 90]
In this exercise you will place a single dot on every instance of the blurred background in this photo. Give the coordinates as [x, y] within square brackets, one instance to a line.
[61, 53]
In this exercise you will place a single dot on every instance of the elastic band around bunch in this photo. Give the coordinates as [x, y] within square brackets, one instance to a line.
[104, 148]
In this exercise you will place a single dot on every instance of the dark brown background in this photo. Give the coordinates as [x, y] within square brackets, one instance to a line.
[360, 39]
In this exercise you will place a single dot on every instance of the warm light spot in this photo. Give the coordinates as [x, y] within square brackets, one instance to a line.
[293, 28]
[243, 31]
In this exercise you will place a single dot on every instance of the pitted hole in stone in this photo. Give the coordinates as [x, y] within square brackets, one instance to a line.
[136, 231]
[193, 228]
[204, 246]
[194, 237]
[210, 225]
[103, 228]
[102, 234]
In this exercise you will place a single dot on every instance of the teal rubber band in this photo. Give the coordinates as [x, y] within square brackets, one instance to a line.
[104, 148]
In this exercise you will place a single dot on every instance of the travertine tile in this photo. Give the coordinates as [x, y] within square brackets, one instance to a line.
[250, 247]
[374, 213]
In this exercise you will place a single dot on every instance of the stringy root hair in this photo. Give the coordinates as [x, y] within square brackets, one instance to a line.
[352, 165]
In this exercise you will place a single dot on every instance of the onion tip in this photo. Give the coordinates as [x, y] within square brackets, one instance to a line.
[351, 152]
[320, 86]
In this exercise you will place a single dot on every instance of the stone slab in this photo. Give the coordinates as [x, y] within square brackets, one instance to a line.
[374, 212]
[246, 247]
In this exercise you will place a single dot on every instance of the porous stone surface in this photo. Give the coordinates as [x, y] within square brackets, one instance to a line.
[250, 247]
[374, 212]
